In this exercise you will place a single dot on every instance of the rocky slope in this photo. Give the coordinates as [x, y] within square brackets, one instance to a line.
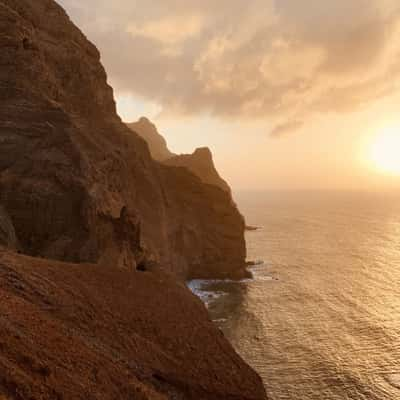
[91, 333]
[77, 184]
[200, 163]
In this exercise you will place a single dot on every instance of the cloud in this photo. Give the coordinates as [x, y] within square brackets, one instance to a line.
[286, 128]
[280, 60]
[168, 30]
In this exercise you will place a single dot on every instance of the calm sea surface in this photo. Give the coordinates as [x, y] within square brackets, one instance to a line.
[321, 319]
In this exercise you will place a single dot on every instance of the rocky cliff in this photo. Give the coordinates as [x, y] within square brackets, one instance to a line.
[77, 183]
[157, 144]
[95, 307]
[200, 163]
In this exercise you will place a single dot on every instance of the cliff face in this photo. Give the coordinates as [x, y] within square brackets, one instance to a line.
[77, 184]
[157, 144]
[200, 163]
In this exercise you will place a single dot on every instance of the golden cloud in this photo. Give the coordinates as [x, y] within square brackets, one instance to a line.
[280, 60]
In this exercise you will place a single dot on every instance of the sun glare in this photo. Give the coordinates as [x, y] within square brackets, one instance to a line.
[385, 151]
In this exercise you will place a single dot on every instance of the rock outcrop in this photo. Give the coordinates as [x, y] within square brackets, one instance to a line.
[78, 185]
[200, 163]
[157, 144]
[84, 332]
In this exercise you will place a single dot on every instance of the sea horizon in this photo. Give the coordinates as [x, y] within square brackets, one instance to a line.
[309, 321]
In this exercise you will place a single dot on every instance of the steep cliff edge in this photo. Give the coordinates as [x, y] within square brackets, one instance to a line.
[78, 185]
[157, 144]
[200, 163]
[85, 332]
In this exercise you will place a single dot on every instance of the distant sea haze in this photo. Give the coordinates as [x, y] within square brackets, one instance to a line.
[321, 319]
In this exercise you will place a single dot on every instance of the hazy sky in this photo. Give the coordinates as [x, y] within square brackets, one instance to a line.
[287, 93]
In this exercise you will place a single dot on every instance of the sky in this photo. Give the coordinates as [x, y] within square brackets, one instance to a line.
[288, 94]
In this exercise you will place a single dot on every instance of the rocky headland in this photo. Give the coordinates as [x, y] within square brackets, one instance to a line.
[157, 144]
[97, 238]
[200, 163]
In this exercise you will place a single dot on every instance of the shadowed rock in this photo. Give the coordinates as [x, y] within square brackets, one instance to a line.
[71, 173]
[157, 144]
[200, 163]
[86, 332]
[8, 237]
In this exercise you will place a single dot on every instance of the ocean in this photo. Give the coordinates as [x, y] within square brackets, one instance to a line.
[321, 318]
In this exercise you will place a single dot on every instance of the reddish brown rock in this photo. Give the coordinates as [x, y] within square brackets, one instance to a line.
[200, 163]
[77, 184]
[157, 144]
[87, 332]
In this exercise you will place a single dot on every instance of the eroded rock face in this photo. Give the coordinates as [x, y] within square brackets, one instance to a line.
[77, 183]
[85, 332]
[8, 238]
[157, 144]
[54, 148]
[200, 163]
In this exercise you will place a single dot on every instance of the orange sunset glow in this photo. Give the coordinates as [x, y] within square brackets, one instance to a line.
[199, 200]
[272, 84]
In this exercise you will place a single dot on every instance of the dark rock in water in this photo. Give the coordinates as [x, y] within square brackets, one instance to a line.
[254, 263]
[252, 228]
[251, 263]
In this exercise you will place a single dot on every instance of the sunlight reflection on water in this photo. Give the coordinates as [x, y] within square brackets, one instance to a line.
[321, 319]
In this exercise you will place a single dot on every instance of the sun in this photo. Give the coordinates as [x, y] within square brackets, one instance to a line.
[385, 151]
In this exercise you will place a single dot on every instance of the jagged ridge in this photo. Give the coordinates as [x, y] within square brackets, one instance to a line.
[78, 185]
[200, 163]
[157, 144]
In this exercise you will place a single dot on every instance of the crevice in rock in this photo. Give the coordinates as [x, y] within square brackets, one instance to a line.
[141, 267]
[25, 43]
